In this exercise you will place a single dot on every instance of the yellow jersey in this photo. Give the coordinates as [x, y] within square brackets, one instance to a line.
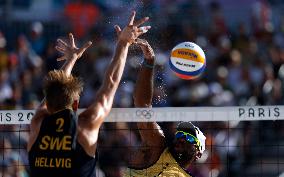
[166, 166]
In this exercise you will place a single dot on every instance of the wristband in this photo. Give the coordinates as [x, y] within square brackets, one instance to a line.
[147, 65]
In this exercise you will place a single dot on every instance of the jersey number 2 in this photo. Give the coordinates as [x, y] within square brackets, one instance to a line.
[60, 123]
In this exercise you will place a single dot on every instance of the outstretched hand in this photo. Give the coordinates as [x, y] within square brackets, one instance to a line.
[132, 31]
[148, 52]
[70, 50]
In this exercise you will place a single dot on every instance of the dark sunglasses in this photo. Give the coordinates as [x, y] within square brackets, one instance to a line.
[188, 137]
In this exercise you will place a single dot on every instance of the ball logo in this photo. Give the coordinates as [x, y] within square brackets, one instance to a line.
[188, 45]
[187, 60]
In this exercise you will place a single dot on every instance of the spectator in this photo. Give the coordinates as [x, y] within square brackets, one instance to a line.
[37, 39]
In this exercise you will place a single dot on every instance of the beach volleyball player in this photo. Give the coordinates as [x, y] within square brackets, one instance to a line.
[60, 144]
[154, 157]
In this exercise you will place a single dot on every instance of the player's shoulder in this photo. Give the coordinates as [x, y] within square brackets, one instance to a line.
[40, 114]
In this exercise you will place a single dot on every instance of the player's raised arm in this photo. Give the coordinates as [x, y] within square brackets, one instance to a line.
[143, 92]
[71, 54]
[92, 118]
[151, 134]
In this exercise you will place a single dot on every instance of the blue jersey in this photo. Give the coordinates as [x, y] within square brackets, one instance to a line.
[56, 151]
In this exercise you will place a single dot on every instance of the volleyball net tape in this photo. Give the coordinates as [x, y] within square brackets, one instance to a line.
[168, 114]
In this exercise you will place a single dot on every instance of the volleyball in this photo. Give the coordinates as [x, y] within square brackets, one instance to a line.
[187, 60]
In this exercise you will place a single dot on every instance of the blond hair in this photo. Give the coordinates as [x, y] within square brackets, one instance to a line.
[61, 90]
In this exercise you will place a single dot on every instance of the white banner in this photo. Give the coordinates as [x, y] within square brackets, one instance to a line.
[168, 114]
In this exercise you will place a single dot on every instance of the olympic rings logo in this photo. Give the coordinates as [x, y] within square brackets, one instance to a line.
[147, 114]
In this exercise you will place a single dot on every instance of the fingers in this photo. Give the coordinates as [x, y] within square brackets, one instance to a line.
[85, 47]
[144, 29]
[146, 48]
[71, 40]
[132, 17]
[60, 49]
[70, 50]
[117, 29]
[142, 42]
[61, 58]
[139, 33]
[141, 21]
[62, 43]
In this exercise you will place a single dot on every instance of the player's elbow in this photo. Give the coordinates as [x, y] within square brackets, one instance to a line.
[113, 80]
[98, 118]
[110, 85]
[106, 104]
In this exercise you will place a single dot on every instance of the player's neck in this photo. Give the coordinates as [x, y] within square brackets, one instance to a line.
[182, 163]
[53, 111]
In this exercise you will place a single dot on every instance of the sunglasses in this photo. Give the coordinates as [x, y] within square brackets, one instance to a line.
[188, 137]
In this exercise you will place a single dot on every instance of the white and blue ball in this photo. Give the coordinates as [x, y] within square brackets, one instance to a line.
[187, 60]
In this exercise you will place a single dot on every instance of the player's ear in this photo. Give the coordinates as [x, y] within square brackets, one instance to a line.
[198, 155]
[75, 105]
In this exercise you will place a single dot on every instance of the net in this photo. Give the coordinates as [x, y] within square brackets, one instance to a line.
[169, 114]
[240, 141]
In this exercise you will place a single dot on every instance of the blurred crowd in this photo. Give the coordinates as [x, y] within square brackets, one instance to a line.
[244, 66]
